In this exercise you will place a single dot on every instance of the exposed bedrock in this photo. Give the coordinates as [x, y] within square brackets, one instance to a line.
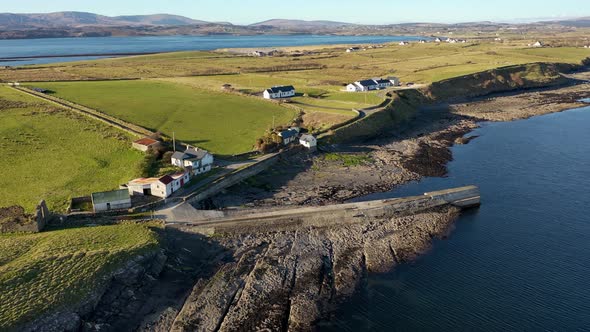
[289, 280]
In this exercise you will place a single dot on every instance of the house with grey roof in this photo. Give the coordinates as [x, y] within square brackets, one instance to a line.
[289, 135]
[111, 200]
[198, 160]
[372, 84]
[277, 92]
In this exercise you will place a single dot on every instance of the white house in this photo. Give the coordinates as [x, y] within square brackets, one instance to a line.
[422, 41]
[289, 135]
[277, 92]
[140, 187]
[160, 187]
[367, 85]
[309, 141]
[163, 187]
[383, 83]
[438, 40]
[180, 179]
[372, 84]
[111, 200]
[200, 161]
[537, 44]
[403, 43]
[353, 49]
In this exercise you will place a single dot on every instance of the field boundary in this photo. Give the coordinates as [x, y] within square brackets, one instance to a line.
[89, 112]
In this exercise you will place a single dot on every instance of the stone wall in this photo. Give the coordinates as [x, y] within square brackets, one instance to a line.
[14, 219]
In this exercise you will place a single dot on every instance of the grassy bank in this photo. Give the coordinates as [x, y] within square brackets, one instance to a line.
[46, 272]
[51, 154]
[399, 112]
[220, 122]
[503, 79]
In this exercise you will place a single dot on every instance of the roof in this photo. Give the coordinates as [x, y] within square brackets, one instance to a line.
[166, 179]
[178, 155]
[307, 138]
[110, 196]
[367, 82]
[277, 89]
[177, 176]
[288, 133]
[143, 181]
[146, 141]
[382, 81]
[190, 154]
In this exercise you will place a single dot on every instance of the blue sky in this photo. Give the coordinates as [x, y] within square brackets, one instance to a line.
[357, 11]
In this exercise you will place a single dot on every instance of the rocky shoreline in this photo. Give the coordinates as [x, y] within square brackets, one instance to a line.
[288, 280]
[292, 279]
[420, 150]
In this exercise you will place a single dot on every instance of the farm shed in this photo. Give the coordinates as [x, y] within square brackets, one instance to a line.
[111, 200]
[145, 144]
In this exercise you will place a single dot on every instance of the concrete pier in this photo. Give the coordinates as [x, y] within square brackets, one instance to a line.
[322, 216]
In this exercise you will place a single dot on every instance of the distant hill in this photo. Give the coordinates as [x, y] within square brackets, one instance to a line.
[159, 19]
[582, 22]
[79, 19]
[299, 24]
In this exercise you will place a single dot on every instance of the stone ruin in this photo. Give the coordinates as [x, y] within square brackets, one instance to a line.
[14, 219]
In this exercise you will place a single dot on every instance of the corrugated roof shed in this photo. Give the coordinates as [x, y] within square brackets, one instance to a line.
[110, 196]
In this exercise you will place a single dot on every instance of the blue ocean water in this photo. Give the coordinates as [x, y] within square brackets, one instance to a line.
[118, 45]
[521, 262]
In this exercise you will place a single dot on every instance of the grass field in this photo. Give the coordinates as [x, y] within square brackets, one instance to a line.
[46, 272]
[223, 123]
[54, 155]
[420, 63]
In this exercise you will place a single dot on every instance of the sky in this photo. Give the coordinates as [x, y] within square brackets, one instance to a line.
[351, 11]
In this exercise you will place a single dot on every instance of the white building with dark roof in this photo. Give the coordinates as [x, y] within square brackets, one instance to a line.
[288, 136]
[200, 161]
[372, 84]
[277, 92]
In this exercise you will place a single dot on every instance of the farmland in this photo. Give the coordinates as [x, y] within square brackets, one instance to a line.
[181, 93]
[321, 68]
[41, 273]
[52, 154]
[220, 122]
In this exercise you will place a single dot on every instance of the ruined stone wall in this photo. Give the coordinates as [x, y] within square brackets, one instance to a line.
[14, 219]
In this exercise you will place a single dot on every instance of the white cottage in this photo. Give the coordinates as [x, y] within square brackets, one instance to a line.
[308, 141]
[200, 161]
[163, 187]
[278, 92]
[289, 135]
